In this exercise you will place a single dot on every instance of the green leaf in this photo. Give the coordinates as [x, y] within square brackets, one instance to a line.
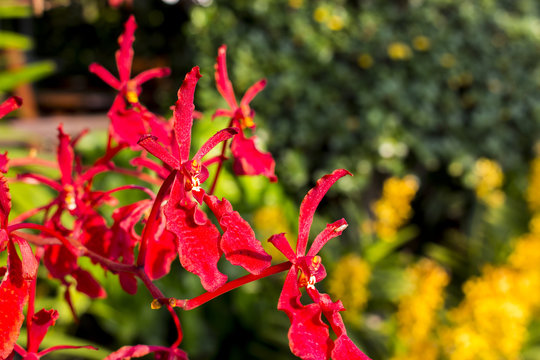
[27, 74]
[13, 40]
[15, 11]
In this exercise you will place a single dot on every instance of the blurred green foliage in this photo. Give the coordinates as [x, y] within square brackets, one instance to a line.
[14, 41]
[380, 88]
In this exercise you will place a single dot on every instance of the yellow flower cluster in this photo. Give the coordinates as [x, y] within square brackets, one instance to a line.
[533, 191]
[421, 43]
[393, 209]
[348, 283]
[417, 312]
[399, 51]
[525, 259]
[365, 61]
[332, 18]
[488, 179]
[491, 322]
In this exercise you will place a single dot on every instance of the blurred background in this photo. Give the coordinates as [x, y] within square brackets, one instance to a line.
[433, 105]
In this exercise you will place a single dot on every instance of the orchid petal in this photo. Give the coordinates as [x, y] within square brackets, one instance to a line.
[123, 230]
[94, 234]
[128, 282]
[223, 83]
[151, 74]
[283, 245]
[214, 160]
[309, 205]
[147, 163]
[309, 337]
[87, 284]
[5, 202]
[198, 243]
[64, 347]
[37, 178]
[4, 162]
[59, 261]
[252, 92]
[124, 55]
[41, 321]
[159, 127]
[127, 352]
[65, 156]
[344, 348]
[105, 75]
[30, 265]
[183, 112]
[9, 105]
[222, 135]
[150, 144]
[14, 294]
[89, 174]
[248, 160]
[222, 112]
[127, 125]
[238, 241]
[160, 252]
[331, 231]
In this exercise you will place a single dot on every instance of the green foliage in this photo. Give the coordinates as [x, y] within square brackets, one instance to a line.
[382, 87]
[12, 40]
[9, 40]
[10, 9]
[29, 73]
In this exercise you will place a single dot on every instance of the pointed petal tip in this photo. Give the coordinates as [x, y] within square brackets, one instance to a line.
[11, 104]
[195, 71]
[147, 137]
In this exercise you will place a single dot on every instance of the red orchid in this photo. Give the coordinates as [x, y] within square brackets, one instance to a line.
[75, 197]
[129, 88]
[309, 337]
[17, 277]
[199, 242]
[248, 160]
[161, 245]
[20, 272]
[128, 123]
[37, 326]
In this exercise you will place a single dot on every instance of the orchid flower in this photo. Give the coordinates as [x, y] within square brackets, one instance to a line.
[37, 326]
[17, 277]
[20, 271]
[74, 196]
[128, 123]
[309, 337]
[248, 160]
[200, 244]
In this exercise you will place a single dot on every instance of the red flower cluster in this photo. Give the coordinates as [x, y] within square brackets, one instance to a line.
[174, 220]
